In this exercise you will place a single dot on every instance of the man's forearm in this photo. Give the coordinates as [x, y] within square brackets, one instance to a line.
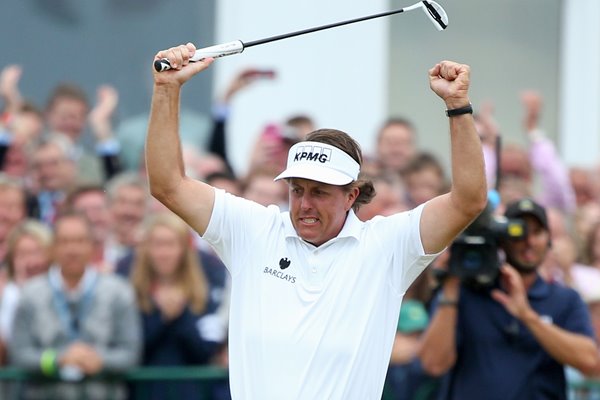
[164, 161]
[568, 348]
[438, 343]
[468, 171]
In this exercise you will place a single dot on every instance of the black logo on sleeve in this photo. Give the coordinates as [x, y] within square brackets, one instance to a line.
[284, 263]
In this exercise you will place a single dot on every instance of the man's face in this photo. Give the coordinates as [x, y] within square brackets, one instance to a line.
[95, 207]
[12, 210]
[165, 251]
[318, 210]
[388, 201]
[424, 185]
[528, 253]
[128, 209]
[73, 245]
[68, 116]
[396, 147]
[263, 190]
[30, 258]
[52, 169]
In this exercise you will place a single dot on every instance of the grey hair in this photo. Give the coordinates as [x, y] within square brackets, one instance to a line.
[125, 179]
[62, 142]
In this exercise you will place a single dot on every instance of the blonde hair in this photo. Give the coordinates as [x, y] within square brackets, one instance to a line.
[31, 228]
[189, 275]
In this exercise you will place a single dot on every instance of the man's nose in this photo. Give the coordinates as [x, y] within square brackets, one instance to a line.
[305, 202]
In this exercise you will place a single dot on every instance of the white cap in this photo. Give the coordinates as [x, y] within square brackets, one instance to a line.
[320, 162]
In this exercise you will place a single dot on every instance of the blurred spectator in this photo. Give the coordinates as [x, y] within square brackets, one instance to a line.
[9, 91]
[561, 266]
[222, 109]
[396, 144]
[195, 130]
[27, 125]
[19, 133]
[173, 295]
[74, 322]
[390, 198]
[405, 375]
[67, 113]
[271, 149]
[28, 255]
[424, 179]
[523, 170]
[92, 201]
[557, 266]
[585, 219]
[592, 246]
[487, 128]
[20, 117]
[260, 187]
[200, 164]
[225, 181]
[583, 185]
[128, 201]
[12, 209]
[54, 173]
[300, 125]
[211, 268]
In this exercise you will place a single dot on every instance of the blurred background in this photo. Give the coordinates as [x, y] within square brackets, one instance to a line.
[350, 78]
[75, 87]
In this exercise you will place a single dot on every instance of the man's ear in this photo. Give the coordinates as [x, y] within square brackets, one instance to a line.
[352, 196]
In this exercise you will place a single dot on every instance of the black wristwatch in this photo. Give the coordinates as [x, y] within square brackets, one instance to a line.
[468, 109]
[443, 301]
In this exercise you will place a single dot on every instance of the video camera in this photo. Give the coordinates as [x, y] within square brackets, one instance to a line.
[474, 254]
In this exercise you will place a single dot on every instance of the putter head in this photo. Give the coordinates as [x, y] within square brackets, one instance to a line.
[436, 14]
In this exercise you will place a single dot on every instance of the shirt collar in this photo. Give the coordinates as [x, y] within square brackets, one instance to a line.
[352, 227]
[86, 282]
[539, 289]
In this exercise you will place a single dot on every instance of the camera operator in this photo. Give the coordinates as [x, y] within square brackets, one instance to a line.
[510, 341]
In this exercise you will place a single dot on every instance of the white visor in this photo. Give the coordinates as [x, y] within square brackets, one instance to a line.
[320, 162]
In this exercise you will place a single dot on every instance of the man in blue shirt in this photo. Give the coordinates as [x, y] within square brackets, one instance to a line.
[511, 341]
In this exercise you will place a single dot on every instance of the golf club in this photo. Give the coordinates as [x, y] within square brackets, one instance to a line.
[433, 10]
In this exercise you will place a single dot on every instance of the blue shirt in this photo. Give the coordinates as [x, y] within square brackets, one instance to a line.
[499, 358]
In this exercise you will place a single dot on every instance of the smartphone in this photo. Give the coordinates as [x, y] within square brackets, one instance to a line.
[260, 73]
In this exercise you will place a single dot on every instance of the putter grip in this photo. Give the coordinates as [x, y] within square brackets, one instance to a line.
[216, 51]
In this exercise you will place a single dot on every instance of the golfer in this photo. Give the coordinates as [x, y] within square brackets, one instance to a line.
[316, 293]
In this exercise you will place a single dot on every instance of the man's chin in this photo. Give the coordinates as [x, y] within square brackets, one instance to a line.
[524, 268]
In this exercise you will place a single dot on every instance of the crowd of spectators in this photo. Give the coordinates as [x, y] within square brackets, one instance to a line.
[97, 276]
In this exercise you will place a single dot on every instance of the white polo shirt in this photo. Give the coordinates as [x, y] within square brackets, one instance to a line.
[312, 322]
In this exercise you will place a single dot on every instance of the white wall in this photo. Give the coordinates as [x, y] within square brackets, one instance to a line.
[580, 83]
[338, 76]
[510, 45]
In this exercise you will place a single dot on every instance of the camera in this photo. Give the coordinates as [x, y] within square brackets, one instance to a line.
[474, 255]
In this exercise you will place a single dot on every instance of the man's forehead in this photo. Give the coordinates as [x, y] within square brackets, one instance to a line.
[529, 218]
[309, 183]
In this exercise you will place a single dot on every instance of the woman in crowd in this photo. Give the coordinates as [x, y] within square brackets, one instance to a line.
[28, 254]
[172, 294]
